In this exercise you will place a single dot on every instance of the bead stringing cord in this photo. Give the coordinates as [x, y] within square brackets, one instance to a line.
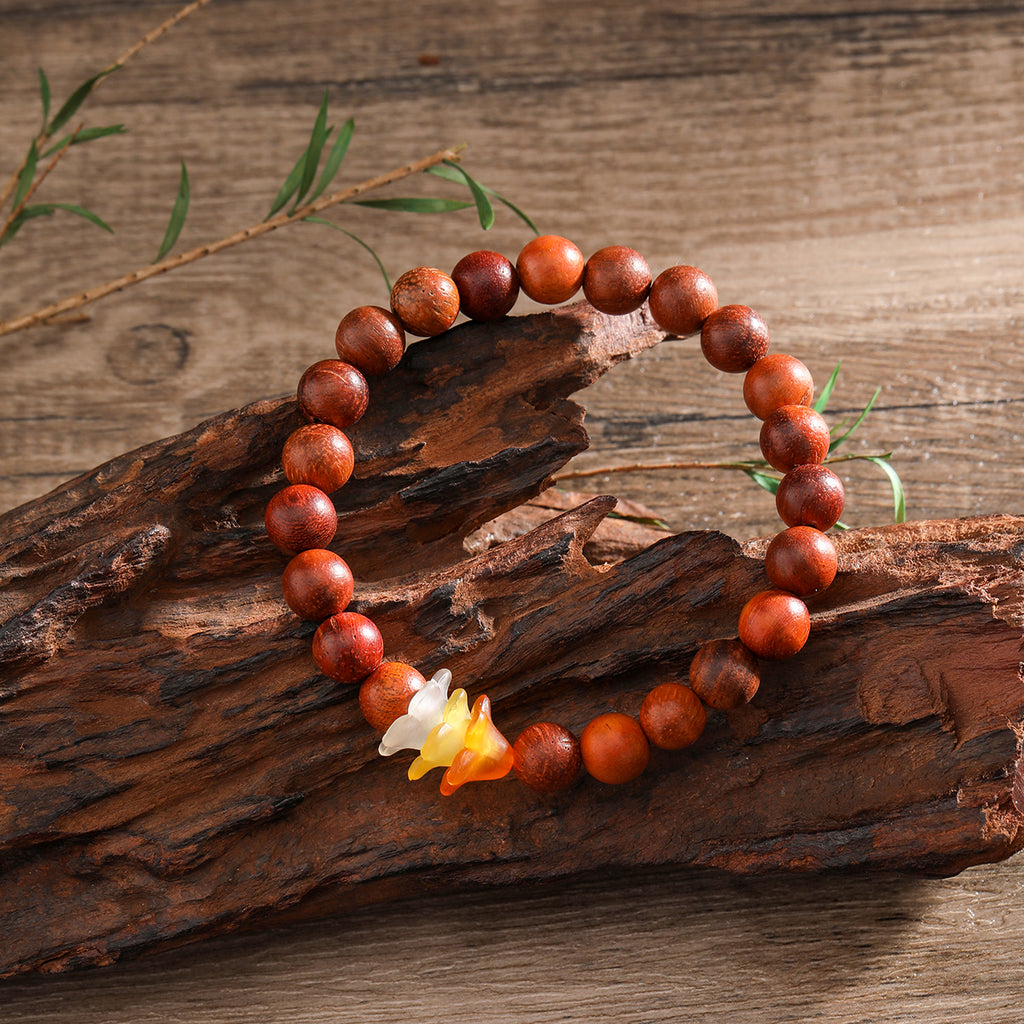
[419, 714]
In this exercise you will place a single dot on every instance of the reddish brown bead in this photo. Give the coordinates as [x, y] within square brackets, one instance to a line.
[801, 560]
[371, 339]
[426, 300]
[614, 748]
[300, 517]
[810, 496]
[386, 692]
[672, 716]
[347, 647]
[794, 435]
[333, 392]
[733, 338]
[318, 454]
[681, 299]
[546, 757]
[317, 584]
[774, 381]
[616, 280]
[550, 269]
[488, 285]
[774, 624]
[724, 674]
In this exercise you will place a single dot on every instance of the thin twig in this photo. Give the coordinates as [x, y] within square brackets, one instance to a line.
[173, 262]
[40, 178]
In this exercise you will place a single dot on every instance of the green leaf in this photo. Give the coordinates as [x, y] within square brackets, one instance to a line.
[313, 150]
[899, 499]
[45, 209]
[826, 391]
[483, 205]
[291, 183]
[446, 172]
[355, 238]
[74, 101]
[25, 176]
[86, 135]
[337, 154]
[28, 213]
[769, 483]
[178, 214]
[414, 204]
[836, 442]
[44, 93]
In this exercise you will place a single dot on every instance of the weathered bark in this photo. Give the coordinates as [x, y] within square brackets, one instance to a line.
[172, 765]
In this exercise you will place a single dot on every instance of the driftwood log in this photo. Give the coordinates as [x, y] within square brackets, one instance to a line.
[173, 766]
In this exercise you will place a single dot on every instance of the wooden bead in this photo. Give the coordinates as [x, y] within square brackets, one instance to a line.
[810, 496]
[371, 339]
[320, 455]
[681, 299]
[801, 560]
[733, 338]
[347, 647]
[794, 435]
[776, 380]
[300, 517]
[334, 392]
[614, 748]
[385, 694]
[774, 624]
[488, 285]
[546, 757]
[317, 584]
[550, 269]
[616, 280]
[426, 300]
[672, 716]
[724, 674]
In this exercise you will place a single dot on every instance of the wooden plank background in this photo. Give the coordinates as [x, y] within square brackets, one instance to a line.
[853, 171]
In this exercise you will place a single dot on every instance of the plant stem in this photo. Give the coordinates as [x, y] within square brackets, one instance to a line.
[40, 178]
[264, 227]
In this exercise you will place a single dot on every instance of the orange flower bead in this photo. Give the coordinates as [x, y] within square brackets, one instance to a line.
[550, 269]
[486, 756]
[614, 748]
[774, 624]
[672, 716]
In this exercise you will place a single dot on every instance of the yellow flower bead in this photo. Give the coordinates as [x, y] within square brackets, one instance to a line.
[446, 739]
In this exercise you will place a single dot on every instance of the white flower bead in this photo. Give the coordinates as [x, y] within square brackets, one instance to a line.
[426, 709]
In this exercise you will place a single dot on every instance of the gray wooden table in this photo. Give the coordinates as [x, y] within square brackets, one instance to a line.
[851, 171]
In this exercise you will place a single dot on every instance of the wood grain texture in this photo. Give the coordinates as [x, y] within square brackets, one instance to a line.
[852, 172]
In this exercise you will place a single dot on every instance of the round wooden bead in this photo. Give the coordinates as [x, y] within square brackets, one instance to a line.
[546, 757]
[614, 748]
[320, 455]
[300, 517]
[371, 339]
[810, 496]
[385, 694]
[488, 285]
[347, 647]
[672, 716]
[681, 299]
[334, 392]
[550, 269]
[426, 300]
[616, 280]
[774, 624]
[801, 560]
[794, 435]
[733, 338]
[776, 380]
[317, 584]
[724, 674]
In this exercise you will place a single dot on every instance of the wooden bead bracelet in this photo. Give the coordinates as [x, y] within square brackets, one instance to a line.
[396, 699]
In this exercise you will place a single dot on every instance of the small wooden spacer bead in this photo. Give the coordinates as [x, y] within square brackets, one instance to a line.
[320, 455]
[334, 392]
[681, 299]
[385, 694]
[794, 435]
[546, 757]
[616, 280]
[801, 560]
[810, 496]
[550, 269]
[724, 674]
[776, 380]
[733, 338]
[426, 300]
[774, 624]
[672, 716]
[615, 748]
[300, 517]
[348, 647]
[317, 584]
[371, 339]
[488, 285]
